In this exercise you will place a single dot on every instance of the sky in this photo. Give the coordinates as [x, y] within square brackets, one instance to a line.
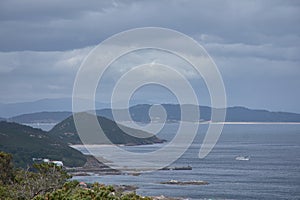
[255, 44]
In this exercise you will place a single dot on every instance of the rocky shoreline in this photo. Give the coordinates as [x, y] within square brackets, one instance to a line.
[96, 166]
[92, 166]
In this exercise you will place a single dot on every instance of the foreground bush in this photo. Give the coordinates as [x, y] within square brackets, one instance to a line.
[50, 182]
[73, 190]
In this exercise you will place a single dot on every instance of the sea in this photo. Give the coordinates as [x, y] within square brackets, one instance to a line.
[272, 172]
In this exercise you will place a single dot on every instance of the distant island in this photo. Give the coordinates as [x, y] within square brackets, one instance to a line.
[139, 113]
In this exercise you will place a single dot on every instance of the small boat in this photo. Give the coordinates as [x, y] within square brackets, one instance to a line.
[192, 182]
[183, 168]
[178, 168]
[243, 158]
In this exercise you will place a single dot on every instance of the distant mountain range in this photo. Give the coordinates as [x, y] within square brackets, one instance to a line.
[8, 110]
[62, 104]
[26, 142]
[139, 113]
[233, 114]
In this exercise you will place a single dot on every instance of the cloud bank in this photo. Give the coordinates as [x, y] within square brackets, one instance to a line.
[256, 44]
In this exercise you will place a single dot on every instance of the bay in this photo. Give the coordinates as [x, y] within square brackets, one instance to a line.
[271, 173]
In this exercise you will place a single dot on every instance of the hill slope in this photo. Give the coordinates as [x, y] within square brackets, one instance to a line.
[67, 132]
[25, 143]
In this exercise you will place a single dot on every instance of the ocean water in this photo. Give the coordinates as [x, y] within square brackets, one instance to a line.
[273, 171]
[43, 126]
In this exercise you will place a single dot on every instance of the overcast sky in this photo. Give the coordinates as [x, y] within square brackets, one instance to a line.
[255, 44]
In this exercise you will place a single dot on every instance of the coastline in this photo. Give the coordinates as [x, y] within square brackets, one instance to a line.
[92, 167]
[95, 167]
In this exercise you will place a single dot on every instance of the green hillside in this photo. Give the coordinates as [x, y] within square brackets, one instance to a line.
[25, 143]
[66, 131]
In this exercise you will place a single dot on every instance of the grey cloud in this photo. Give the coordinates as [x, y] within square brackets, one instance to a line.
[35, 10]
[63, 25]
[34, 75]
[258, 82]
[266, 51]
[254, 43]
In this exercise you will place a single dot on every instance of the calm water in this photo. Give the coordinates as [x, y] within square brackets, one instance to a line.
[273, 172]
[43, 126]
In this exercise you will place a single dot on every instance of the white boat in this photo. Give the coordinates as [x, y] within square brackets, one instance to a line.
[243, 158]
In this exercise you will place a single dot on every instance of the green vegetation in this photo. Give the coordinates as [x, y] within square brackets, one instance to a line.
[25, 143]
[26, 184]
[50, 182]
[67, 132]
[96, 191]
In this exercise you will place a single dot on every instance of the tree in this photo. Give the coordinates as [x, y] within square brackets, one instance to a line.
[6, 168]
[50, 182]
[26, 184]
[45, 178]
